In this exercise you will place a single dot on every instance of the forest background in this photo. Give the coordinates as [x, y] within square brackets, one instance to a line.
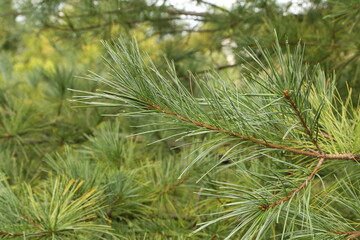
[74, 172]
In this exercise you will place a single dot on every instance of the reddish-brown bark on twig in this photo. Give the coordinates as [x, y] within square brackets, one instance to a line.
[2, 233]
[177, 184]
[353, 234]
[7, 136]
[303, 185]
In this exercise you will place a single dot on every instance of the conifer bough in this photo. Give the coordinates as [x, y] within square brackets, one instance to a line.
[284, 110]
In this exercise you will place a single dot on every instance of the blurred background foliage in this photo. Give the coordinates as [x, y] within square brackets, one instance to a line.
[111, 182]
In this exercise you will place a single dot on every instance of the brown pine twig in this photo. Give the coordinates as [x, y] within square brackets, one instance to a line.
[177, 184]
[7, 136]
[327, 136]
[11, 235]
[216, 6]
[303, 185]
[33, 223]
[8, 234]
[302, 120]
[353, 234]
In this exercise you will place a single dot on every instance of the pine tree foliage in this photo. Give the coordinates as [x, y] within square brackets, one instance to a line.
[56, 210]
[207, 134]
[285, 112]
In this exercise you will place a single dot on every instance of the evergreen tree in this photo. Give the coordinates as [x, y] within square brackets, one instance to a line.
[244, 126]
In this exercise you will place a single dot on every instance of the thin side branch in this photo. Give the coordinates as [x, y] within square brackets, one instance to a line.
[190, 31]
[327, 136]
[7, 136]
[8, 234]
[33, 223]
[353, 234]
[177, 184]
[215, 6]
[340, 156]
[303, 185]
[302, 120]
[35, 234]
[189, 13]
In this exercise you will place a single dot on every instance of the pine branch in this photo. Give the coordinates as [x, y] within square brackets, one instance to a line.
[319, 155]
[340, 156]
[8, 234]
[28, 235]
[215, 6]
[303, 185]
[327, 136]
[111, 23]
[190, 31]
[190, 13]
[354, 234]
[7, 136]
[10, 135]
